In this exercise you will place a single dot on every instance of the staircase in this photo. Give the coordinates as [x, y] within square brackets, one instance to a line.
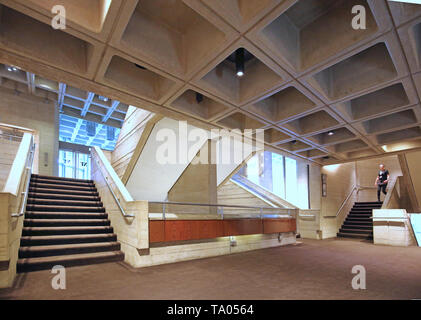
[359, 224]
[65, 224]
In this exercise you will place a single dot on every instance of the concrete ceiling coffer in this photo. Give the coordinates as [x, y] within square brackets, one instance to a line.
[399, 135]
[241, 121]
[93, 17]
[261, 76]
[209, 108]
[169, 35]
[290, 102]
[317, 121]
[137, 78]
[70, 50]
[388, 99]
[333, 136]
[317, 31]
[295, 146]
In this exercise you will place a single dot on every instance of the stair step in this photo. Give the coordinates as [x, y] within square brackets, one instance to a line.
[66, 239]
[60, 186]
[65, 215]
[370, 202]
[354, 235]
[43, 231]
[44, 263]
[65, 222]
[360, 215]
[357, 226]
[63, 182]
[42, 195]
[93, 193]
[67, 249]
[37, 176]
[57, 208]
[351, 218]
[359, 231]
[55, 202]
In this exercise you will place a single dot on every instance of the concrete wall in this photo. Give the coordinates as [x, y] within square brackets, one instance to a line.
[37, 114]
[197, 183]
[7, 155]
[413, 160]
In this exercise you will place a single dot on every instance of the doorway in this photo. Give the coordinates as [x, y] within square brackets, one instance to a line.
[74, 164]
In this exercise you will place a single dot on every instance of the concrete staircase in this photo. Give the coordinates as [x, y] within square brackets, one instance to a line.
[65, 224]
[359, 224]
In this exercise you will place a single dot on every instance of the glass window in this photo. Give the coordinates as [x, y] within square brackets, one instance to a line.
[278, 175]
[291, 185]
[74, 165]
[282, 176]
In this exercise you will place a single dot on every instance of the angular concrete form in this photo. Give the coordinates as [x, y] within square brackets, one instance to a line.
[309, 76]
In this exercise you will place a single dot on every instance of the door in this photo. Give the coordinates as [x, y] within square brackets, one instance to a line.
[73, 164]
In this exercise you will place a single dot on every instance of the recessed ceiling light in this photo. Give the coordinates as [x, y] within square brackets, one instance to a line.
[12, 68]
[102, 98]
[239, 62]
[330, 133]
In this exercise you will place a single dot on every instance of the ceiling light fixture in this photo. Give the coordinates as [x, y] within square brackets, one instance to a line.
[239, 62]
[330, 133]
[12, 68]
[102, 98]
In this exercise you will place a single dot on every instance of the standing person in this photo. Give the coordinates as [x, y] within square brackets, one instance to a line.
[382, 180]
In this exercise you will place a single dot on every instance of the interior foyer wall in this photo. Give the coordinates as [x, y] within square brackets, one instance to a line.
[340, 180]
[36, 114]
[133, 127]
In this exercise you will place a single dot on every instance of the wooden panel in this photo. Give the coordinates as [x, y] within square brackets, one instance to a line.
[279, 225]
[236, 227]
[156, 231]
[178, 230]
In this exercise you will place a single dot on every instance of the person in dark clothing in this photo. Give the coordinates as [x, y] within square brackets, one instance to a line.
[381, 181]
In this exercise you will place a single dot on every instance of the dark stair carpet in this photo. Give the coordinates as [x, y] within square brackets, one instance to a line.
[65, 224]
[359, 224]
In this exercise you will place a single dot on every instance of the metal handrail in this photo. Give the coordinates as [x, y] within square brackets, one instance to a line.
[28, 180]
[216, 205]
[220, 207]
[112, 192]
[343, 203]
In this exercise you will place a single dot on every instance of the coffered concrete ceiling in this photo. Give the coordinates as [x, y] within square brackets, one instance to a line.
[322, 90]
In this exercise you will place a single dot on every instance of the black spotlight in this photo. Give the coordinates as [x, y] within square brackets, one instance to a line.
[239, 62]
[326, 157]
[294, 142]
[199, 97]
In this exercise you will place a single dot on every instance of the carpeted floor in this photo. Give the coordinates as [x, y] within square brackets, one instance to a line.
[310, 270]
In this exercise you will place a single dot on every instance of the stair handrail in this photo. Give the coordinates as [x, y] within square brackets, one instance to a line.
[114, 177]
[27, 182]
[354, 187]
[21, 169]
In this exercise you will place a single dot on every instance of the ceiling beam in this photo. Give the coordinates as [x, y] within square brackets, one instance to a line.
[76, 129]
[97, 131]
[61, 92]
[30, 78]
[114, 105]
[90, 117]
[88, 102]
